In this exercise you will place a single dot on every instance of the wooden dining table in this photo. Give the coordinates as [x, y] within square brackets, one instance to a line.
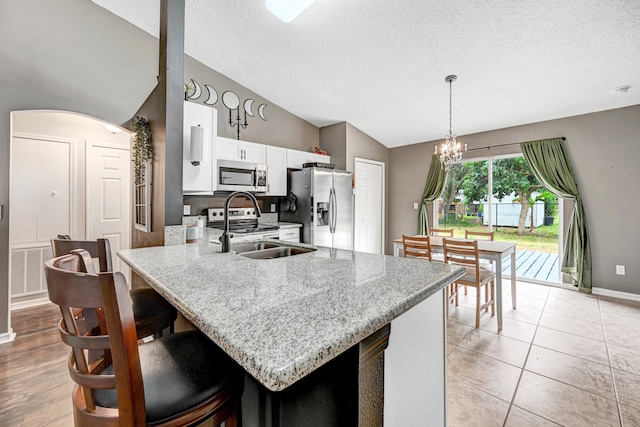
[493, 250]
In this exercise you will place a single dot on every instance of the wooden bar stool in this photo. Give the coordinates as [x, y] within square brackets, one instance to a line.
[152, 313]
[181, 379]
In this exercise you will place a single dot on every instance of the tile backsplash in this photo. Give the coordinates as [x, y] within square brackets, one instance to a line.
[268, 217]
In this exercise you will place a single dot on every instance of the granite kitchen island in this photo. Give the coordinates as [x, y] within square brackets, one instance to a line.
[311, 330]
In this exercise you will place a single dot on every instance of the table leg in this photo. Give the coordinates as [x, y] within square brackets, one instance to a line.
[513, 278]
[498, 286]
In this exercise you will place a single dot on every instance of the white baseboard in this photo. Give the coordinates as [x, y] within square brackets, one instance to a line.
[7, 337]
[615, 294]
[30, 303]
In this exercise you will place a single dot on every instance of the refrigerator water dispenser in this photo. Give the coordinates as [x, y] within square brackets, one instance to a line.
[322, 213]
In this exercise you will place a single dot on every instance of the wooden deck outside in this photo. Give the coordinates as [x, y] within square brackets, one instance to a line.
[534, 265]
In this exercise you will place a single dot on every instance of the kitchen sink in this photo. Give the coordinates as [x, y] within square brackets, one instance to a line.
[250, 247]
[276, 252]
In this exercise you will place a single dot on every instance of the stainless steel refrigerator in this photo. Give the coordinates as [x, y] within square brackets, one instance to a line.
[323, 205]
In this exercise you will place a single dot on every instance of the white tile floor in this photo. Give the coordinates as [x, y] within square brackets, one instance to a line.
[563, 358]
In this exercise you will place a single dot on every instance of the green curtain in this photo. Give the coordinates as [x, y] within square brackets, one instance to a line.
[432, 190]
[549, 162]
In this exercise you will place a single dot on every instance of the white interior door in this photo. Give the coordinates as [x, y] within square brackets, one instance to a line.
[40, 189]
[369, 206]
[108, 197]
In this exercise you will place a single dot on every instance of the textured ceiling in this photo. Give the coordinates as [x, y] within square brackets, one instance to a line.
[381, 64]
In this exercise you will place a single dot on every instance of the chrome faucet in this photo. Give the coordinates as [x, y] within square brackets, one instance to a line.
[225, 238]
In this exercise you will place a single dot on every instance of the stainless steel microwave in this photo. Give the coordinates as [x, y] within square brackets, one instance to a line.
[241, 176]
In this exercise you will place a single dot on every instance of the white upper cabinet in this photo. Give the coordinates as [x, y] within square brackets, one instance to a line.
[277, 171]
[198, 178]
[296, 158]
[320, 158]
[243, 151]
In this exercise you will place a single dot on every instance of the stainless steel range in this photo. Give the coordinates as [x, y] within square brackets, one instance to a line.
[242, 222]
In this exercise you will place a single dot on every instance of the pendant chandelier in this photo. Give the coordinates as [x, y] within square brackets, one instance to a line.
[451, 150]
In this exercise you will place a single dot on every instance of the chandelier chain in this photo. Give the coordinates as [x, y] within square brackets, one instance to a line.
[450, 104]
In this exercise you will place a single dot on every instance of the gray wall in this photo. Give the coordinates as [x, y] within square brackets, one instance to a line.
[70, 64]
[333, 139]
[604, 149]
[359, 144]
[344, 142]
[282, 129]
[72, 55]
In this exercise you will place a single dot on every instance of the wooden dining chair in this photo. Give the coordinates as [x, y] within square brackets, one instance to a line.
[465, 253]
[441, 232]
[180, 379]
[480, 235]
[416, 247]
[153, 314]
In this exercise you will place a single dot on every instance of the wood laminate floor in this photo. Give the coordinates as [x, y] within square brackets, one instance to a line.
[35, 387]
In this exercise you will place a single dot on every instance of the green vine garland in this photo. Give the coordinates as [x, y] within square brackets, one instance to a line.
[142, 148]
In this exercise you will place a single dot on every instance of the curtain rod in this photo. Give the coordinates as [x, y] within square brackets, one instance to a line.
[501, 145]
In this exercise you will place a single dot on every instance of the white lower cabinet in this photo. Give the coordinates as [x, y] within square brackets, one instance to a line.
[290, 234]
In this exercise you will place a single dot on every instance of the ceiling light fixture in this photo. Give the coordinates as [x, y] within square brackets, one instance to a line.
[620, 90]
[450, 149]
[287, 10]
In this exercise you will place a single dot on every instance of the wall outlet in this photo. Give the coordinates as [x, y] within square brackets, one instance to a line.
[415, 206]
[273, 207]
[186, 209]
[620, 270]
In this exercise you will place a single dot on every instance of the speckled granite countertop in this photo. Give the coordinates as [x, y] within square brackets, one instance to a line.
[281, 319]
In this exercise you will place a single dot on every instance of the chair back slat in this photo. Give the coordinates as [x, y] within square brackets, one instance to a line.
[76, 290]
[479, 235]
[416, 247]
[88, 342]
[441, 232]
[100, 249]
[69, 287]
[92, 381]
